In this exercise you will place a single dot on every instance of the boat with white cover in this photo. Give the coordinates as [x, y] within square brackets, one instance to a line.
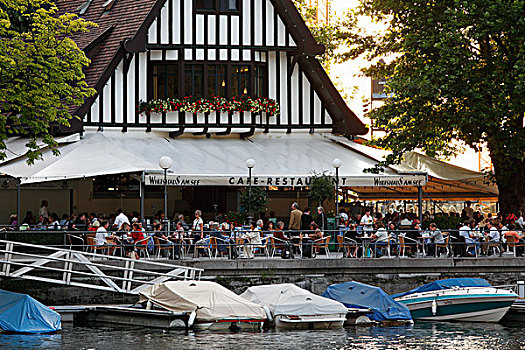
[458, 299]
[291, 307]
[208, 304]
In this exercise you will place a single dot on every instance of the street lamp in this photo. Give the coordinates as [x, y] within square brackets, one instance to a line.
[336, 163]
[250, 163]
[165, 163]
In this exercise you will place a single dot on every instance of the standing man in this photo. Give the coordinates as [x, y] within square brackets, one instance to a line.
[367, 221]
[322, 220]
[120, 219]
[295, 218]
[43, 209]
[306, 220]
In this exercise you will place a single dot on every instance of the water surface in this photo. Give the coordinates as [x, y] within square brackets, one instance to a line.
[423, 335]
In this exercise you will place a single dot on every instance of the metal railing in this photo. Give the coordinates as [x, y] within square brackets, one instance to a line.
[236, 243]
[86, 270]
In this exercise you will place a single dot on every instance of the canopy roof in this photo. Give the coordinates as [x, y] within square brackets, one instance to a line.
[363, 296]
[288, 299]
[299, 154]
[210, 300]
[446, 284]
[23, 314]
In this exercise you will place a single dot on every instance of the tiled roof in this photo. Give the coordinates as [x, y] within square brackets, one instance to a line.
[126, 16]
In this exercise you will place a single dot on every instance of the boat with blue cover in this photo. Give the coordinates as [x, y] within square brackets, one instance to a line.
[377, 306]
[458, 299]
[20, 313]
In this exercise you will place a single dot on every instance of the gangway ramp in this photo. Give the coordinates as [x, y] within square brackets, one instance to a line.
[86, 270]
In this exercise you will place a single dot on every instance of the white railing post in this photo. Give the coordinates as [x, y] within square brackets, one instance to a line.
[7, 257]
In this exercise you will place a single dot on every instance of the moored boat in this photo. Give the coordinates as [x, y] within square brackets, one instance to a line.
[209, 305]
[292, 307]
[458, 299]
[375, 305]
[20, 313]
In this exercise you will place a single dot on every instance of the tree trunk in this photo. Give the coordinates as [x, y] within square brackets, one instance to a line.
[510, 178]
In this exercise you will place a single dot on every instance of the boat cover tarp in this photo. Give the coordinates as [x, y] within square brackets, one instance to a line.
[209, 300]
[446, 284]
[22, 314]
[362, 296]
[288, 299]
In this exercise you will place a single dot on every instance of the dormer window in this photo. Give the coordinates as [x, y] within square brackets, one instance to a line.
[217, 6]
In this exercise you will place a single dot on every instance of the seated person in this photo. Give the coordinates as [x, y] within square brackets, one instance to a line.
[492, 237]
[163, 240]
[436, 238]
[253, 239]
[517, 237]
[102, 236]
[380, 239]
[280, 238]
[138, 235]
[223, 242]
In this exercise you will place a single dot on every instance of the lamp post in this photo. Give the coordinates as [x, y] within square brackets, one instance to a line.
[165, 163]
[336, 163]
[250, 163]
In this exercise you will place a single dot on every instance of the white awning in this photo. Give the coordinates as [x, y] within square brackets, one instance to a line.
[277, 156]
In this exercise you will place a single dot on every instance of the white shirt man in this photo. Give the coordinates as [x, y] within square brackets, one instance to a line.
[367, 221]
[493, 233]
[120, 219]
[466, 231]
[381, 235]
[101, 235]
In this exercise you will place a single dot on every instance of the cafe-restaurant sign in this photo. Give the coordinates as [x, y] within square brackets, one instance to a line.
[284, 181]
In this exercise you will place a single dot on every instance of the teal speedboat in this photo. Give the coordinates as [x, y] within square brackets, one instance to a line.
[458, 299]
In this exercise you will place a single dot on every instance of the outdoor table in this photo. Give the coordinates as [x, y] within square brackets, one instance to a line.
[365, 243]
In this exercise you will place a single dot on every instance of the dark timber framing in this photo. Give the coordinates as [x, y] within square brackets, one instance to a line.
[293, 48]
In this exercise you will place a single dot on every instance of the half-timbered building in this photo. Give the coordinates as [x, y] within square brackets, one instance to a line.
[209, 83]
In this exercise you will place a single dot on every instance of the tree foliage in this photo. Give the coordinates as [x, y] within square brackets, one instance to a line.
[41, 75]
[255, 200]
[457, 72]
[321, 188]
[334, 35]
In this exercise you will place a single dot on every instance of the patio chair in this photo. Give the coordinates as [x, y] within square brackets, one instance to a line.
[469, 246]
[442, 245]
[94, 247]
[323, 243]
[76, 242]
[340, 243]
[513, 242]
[276, 244]
[163, 244]
[142, 248]
[206, 247]
[348, 245]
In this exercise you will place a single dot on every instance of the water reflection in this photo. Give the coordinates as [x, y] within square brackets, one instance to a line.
[423, 335]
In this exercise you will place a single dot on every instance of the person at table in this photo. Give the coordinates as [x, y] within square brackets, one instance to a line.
[517, 237]
[380, 239]
[223, 242]
[102, 235]
[436, 237]
[253, 239]
[138, 235]
[280, 236]
[470, 234]
[164, 241]
[492, 237]
[270, 229]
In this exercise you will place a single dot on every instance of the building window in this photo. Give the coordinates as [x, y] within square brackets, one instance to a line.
[260, 78]
[165, 81]
[217, 80]
[241, 78]
[193, 80]
[217, 6]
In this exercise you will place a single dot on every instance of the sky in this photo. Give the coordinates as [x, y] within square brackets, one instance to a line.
[348, 75]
